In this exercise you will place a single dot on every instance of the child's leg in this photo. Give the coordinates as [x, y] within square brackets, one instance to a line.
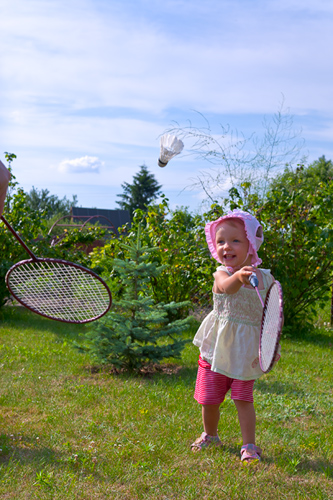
[210, 418]
[210, 390]
[242, 394]
[247, 421]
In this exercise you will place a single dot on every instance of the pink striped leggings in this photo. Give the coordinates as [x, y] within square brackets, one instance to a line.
[211, 387]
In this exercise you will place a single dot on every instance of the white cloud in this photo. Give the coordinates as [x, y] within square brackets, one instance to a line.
[86, 164]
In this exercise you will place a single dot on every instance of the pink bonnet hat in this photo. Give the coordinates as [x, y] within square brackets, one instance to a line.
[253, 231]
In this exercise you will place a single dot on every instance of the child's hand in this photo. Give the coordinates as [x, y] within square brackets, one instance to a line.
[231, 284]
[244, 274]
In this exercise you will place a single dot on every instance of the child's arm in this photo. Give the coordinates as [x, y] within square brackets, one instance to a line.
[231, 284]
[4, 180]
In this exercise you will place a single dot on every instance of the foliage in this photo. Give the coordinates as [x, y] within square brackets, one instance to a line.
[50, 205]
[297, 219]
[13, 182]
[187, 267]
[320, 170]
[31, 225]
[141, 193]
[187, 274]
[138, 330]
[76, 245]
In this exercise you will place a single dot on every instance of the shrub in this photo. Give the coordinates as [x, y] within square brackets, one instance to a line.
[181, 251]
[298, 247]
[137, 329]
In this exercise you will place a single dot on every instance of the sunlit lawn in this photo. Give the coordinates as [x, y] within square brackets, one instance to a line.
[69, 432]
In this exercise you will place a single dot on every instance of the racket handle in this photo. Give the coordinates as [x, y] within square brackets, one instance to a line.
[254, 280]
[14, 233]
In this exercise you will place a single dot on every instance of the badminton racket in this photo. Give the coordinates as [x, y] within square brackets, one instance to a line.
[271, 323]
[57, 289]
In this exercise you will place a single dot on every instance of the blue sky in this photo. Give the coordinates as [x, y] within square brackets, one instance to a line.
[88, 86]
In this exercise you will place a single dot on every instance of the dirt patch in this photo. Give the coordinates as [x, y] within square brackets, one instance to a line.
[146, 371]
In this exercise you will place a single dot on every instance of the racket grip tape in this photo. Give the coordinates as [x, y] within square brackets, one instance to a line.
[253, 280]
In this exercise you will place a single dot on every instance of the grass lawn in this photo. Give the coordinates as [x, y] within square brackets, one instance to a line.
[69, 432]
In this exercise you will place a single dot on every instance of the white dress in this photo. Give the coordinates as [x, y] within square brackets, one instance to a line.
[228, 337]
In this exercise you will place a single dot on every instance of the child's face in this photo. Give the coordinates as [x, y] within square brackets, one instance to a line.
[232, 244]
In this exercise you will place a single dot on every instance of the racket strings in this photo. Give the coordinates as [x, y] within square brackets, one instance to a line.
[59, 290]
[270, 329]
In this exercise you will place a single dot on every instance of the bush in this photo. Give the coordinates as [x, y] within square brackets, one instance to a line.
[298, 247]
[181, 251]
[137, 330]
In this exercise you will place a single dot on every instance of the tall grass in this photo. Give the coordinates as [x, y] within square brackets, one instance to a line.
[69, 431]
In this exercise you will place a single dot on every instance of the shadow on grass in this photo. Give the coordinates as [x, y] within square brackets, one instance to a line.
[301, 466]
[318, 337]
[293, 463]
[22, 450]
[320, 465]
[266, 387]
[19, 316]
[186, 376]
[168, 374]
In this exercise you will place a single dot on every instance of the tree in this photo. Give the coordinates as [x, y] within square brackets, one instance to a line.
[137, 329]
[13, 182]
[320, 170]
[50, 205]
[141, 193]
[184, 255]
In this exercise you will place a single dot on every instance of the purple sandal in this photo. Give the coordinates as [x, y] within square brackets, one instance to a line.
[204, 441]
[250, 452]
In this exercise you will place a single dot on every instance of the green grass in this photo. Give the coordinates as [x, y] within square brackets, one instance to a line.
[68, 432]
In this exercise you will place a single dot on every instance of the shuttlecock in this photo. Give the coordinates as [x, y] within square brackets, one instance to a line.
[170, 147]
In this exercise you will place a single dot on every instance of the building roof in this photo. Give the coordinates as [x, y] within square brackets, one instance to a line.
[117, 217]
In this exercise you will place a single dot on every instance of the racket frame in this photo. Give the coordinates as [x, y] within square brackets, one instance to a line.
[64, 263]
[35, 259]
[280, 324]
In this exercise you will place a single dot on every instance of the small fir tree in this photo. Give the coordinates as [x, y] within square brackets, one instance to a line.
[137, 330]
[141, 193]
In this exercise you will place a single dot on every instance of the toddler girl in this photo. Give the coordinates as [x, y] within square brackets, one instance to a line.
[228, 338]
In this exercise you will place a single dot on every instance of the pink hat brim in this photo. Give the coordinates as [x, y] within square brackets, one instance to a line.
[210, 231]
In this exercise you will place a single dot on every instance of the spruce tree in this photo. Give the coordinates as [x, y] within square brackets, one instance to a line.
[137, 331]
[141, 193]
